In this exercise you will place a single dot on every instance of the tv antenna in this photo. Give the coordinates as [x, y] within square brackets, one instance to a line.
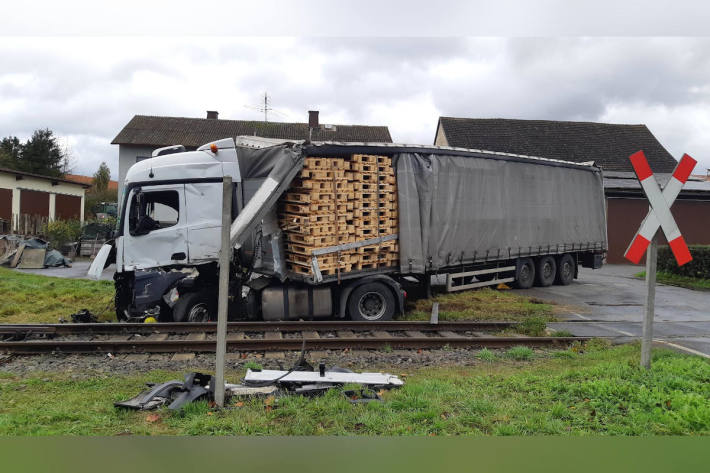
[266, 108]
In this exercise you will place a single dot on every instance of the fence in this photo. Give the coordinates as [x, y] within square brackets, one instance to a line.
[24, 224]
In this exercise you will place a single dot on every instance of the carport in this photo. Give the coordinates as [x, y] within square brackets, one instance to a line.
[27, 196]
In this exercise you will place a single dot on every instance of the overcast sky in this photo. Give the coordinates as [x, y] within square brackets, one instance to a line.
[87, 88]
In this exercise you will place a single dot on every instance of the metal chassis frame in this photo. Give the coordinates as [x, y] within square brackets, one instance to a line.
[450, 276]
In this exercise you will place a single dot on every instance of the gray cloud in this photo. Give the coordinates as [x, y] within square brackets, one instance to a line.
[86, 89]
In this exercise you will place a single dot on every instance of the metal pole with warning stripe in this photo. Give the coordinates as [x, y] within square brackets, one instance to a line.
[646, 239]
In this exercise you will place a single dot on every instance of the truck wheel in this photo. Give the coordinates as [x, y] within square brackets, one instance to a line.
[546, 271]
[192, 307]
[565, 270]
[525, 276]
[371, 302]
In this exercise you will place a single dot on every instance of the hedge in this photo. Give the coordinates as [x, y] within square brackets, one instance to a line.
[698, 268]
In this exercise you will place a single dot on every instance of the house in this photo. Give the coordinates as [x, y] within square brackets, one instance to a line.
[609, 146]
[143, 134]
[89, 180]
[24, 194]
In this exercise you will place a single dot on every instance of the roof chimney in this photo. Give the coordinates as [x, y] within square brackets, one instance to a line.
[313, 119]
[212, 114]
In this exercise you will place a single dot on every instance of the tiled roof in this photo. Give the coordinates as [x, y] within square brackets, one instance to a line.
[89, 180]
[194, 132]
[609, 145]
[42, 176]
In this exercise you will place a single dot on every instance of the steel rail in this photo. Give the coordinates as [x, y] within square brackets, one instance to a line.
[176, 346]
[210, 327]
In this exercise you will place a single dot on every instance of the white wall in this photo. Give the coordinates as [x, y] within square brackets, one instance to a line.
[8, 181]
[440, 139]
[127, 155]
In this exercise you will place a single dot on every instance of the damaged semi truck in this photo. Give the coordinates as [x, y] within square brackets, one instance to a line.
[323, 230]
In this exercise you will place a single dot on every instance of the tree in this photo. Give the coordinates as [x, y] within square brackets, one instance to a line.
[10, 150]
[102, 178]
[42, 154]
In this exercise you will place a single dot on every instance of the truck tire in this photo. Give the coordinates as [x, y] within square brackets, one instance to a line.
[565, 270]
[525, 275]
[546, 271]
[371, 302]
[193, 307]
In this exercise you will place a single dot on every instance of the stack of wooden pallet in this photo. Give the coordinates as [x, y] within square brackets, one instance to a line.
[336, 201]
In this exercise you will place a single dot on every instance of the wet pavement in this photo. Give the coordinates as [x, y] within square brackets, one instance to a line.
[610, 302]
[77, 271]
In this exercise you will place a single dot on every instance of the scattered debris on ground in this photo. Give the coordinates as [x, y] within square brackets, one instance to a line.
[29, 253]
[263, 383]
[84, 316]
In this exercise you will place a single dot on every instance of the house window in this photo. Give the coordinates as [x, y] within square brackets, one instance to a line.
[141, 158]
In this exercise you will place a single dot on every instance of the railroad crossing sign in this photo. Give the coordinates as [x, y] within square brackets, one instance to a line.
[659, 216]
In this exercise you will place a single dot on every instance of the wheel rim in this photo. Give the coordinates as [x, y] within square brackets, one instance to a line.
[198, 313]
[525, 272]
[566, 270]
[547, 270]
[372, 305]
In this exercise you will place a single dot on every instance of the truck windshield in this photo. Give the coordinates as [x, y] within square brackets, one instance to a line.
[153, 210]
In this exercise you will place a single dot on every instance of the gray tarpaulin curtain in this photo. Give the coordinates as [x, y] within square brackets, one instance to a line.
[464, 209]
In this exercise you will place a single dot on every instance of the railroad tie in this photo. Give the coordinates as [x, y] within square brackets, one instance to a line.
[449, 334]
[157, 337]
[189, 356]
[270, 335]
[345, 334]
[414, 334]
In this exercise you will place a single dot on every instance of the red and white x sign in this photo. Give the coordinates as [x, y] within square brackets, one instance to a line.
[660, 213]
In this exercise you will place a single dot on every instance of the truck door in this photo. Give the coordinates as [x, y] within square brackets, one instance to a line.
[203, 203]
[155, 227]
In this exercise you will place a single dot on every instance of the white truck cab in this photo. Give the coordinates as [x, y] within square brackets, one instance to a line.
[168, 215]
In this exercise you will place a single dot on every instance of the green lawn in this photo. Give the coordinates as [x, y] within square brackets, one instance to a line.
[480, 304]
[577, 392]
[664, 277]
[30, 298]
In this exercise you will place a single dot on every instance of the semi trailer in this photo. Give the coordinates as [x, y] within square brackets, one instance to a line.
[473, 217]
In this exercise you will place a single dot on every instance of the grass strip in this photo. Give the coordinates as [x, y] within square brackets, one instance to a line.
[586, 390]
[671, 279]
[32, 298]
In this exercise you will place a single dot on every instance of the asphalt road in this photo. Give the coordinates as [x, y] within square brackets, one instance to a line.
[77, 271]
[610, 302]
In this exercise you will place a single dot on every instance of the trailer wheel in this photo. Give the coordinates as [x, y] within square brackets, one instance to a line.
[525, 276]
[192, 307]
[546, 271]
[565, 270]
[371, 302]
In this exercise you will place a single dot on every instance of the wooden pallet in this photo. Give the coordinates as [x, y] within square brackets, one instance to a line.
[322, 174]
[371, 159]
[372, 168]
[336, 201]
[326, 163]
[314, 241]
[313, 219]
[308, 208]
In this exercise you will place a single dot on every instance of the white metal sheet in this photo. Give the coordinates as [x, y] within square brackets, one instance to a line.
[329, 377]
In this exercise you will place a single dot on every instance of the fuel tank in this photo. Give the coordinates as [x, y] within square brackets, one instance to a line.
[288, 302]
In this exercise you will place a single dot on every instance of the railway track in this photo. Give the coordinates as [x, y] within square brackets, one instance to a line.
[261, 336]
